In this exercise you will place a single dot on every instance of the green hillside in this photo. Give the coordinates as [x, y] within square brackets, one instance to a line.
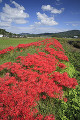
[67, 34]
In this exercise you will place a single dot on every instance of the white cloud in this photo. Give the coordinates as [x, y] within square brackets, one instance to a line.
[20, 21]
[4, 24]
[52, 9]
[18, 6]
[0, 1]
[16, 14]
[45, 20]
[46, 7]
[34, 29]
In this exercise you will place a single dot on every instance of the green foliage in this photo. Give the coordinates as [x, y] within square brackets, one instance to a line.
[74, 58]
[75, 43]
[67, 34]
[69, 69]
[69, 110]
[74, 104]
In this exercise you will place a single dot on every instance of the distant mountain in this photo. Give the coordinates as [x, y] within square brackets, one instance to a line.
[68, 34]
[24, 33]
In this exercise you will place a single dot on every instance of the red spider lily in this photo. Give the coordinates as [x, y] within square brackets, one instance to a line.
[22, 85]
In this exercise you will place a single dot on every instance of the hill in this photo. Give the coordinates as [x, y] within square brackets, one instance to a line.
[67, 34]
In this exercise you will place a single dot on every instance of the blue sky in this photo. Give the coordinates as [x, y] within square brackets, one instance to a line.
[39, 16]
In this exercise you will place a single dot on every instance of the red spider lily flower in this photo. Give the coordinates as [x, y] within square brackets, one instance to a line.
[31, 75]
[44, 97]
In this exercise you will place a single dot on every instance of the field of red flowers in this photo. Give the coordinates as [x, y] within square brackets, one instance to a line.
[32, 78]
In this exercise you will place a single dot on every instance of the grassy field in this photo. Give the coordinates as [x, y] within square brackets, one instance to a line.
[6, 42]
[72, 52]
[64, 111]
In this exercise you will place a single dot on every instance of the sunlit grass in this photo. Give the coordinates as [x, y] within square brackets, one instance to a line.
[6, 42]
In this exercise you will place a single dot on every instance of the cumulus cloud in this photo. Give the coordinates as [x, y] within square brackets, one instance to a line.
[52, 9]
[16, 14]
[45, 20]
[18, 6]
[0, 1]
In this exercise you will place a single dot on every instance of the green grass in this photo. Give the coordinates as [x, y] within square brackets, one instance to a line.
[6, 42]
[10, 56]
[72, 52]
[62, 110]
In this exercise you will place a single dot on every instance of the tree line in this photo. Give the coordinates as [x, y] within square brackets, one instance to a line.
[7, 34]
